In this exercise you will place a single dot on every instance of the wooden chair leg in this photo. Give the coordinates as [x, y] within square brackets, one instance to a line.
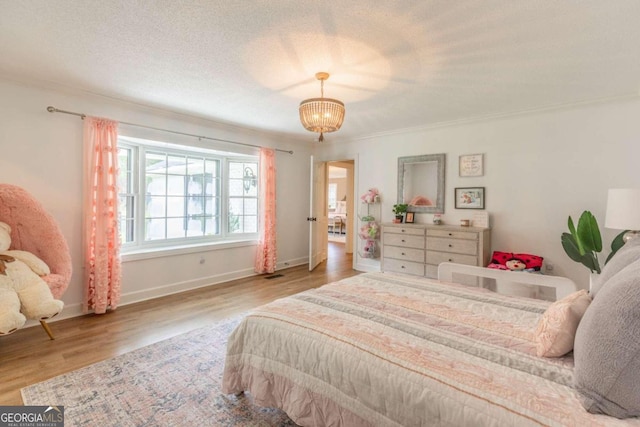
[47, 329]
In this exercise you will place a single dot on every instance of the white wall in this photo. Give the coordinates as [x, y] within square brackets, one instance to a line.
[539, 168]
[341, 187]
[42, 152]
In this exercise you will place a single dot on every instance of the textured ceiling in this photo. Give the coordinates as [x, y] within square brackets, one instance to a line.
[395, 64]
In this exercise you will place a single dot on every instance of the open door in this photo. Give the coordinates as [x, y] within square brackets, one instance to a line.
[317, 214]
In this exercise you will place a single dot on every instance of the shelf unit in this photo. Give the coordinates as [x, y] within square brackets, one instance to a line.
[369, 231]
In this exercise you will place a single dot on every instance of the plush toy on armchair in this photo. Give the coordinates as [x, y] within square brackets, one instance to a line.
[22, 286]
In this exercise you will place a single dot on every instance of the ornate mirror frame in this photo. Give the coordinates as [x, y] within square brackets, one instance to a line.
[412, 170]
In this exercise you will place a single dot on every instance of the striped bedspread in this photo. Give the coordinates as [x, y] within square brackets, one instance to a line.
[380, 349]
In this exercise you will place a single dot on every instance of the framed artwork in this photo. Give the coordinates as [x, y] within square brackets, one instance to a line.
[469, 198]
[471, 165]
[409, 217]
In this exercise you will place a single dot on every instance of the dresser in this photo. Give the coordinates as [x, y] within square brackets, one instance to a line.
[418, 249]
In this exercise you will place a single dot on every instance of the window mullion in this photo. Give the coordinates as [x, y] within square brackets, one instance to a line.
[141, 191]
[224, 198]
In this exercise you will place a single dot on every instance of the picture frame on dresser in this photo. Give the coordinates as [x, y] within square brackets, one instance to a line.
[409, 218]
[469, 197]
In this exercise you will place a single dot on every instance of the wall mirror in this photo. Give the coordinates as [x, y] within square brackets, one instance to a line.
[421, 182]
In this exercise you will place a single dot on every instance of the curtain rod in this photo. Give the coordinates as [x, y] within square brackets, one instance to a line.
[82, 116]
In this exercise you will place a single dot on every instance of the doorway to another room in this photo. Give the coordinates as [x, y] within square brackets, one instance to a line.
[339, 193]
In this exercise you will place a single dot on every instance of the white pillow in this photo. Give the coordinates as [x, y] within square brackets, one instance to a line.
[557, 327]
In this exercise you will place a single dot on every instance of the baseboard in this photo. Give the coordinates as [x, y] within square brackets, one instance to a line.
[75, 310]
[367, 268]
[292, 263]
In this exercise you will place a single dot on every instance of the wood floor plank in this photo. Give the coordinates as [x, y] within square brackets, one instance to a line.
[28, 356]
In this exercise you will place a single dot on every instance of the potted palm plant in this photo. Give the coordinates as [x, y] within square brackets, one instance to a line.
[583, 243]
[399, 210]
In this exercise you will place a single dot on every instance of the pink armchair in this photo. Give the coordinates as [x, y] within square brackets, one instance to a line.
[34, 230]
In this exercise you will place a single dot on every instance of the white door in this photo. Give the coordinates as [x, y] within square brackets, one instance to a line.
[318, 223]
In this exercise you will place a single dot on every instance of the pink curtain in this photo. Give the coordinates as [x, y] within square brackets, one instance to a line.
[101, 240]
[266, 250]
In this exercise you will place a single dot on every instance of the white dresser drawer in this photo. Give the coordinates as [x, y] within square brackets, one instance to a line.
[418, 249]
[400, 229]
[404, 254]
[410, 241]
[460, 246]
[436, 258]
[467, 235]
[407, 267]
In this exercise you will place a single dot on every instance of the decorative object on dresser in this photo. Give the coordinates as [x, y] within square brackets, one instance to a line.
[471, 165]
[399, 209]
[409, 218]
[480, 219]
[419, 248]
[469, 198]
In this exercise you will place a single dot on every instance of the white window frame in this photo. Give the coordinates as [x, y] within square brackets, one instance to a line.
[332, 193]
[140, 248]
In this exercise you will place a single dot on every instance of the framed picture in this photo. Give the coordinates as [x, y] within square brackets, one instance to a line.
[409, 217]
[471, 165]
[469, 198]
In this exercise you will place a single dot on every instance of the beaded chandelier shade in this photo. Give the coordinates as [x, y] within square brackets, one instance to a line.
[321, 114]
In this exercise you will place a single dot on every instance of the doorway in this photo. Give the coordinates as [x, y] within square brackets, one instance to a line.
[340, 209]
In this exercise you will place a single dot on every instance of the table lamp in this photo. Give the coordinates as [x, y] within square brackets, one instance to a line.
[623, 211]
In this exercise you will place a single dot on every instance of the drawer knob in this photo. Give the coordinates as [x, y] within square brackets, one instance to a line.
[402, 266]
[450, 260]
[403, 230]
[450, 234]
[403, 253]
[402, 240]
[450, 245]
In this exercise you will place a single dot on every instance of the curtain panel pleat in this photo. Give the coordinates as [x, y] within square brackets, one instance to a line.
[101, 243]
[265, 261]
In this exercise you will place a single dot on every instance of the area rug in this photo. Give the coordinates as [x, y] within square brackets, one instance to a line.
[175, 382]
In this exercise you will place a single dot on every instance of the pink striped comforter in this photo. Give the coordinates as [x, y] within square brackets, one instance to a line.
[380, 349]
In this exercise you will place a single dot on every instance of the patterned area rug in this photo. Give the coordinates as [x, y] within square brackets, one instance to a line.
[175, 382]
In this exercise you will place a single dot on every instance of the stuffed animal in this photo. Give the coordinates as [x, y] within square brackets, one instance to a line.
[369, 249]
[369, 230]
[515, 262]
[371, 196]
[23, 293]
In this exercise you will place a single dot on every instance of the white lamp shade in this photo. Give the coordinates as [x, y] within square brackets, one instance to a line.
[623, 209]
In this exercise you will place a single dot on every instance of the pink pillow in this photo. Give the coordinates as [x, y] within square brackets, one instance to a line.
[557, 327]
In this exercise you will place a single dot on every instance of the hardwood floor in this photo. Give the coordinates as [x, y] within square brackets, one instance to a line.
[28, 356]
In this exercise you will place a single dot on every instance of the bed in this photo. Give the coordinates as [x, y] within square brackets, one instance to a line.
[384, 349]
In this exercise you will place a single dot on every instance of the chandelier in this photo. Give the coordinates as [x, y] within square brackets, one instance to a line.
[321, 114]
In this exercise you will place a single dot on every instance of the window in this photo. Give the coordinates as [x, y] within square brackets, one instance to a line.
[175, 195]
[332, 195]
